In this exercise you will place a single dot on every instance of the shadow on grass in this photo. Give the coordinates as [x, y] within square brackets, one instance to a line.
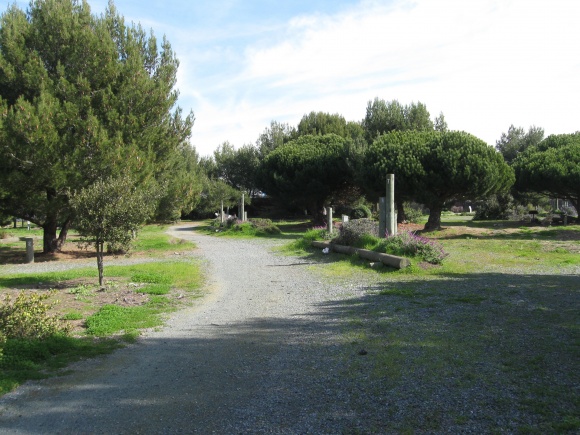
[460, 354]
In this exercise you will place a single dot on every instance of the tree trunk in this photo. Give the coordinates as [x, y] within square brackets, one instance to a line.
[52, 243]
[317, 214]
[434, 222]
[401, 217]
[49, 239]
[100, 248]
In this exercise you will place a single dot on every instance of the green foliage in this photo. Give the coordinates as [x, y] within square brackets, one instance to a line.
[238, 168]
[264, 226]
[436, 167]
[352, 232]
[361, 211]
[516, 141]
[111, 212]
[155, 289]
[320, 124]
[552, 167]
[413, 212]
[306, 171]
[215, 193]
[151, 278]
[408, 244]
[83, 97]
[28, 317]
[383, 117]
[495, 207]
[111, 319]
[273, 137]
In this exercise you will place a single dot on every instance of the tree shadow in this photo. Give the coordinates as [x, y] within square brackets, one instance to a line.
[459, 353]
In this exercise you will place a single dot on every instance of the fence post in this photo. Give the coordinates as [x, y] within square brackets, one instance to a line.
[329, 226]
[391, 214]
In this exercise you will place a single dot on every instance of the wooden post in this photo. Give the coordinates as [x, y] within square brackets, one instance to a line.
[222, 213]
[391, 216]
[382, 217]
[242, 209]
[329, 226]
[29, 248]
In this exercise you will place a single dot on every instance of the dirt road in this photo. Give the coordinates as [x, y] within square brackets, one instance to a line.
[259, 354]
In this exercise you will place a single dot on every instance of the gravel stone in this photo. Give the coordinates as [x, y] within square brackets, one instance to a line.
[258, 354]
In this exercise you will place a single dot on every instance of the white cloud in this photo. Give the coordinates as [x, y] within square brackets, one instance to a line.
[485, 64]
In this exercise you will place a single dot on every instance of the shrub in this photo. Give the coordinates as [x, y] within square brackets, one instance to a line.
[413, 213]
[410, 244]
[361, 211]
[352, 232]
[264, 226]
[27, 318]
[495, 207]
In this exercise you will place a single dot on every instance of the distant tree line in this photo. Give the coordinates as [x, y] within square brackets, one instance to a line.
[89, 101]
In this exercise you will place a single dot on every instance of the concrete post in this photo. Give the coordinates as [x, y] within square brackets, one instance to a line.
[330, 226]
[242, 209]
[382, 217]
[391, 210]
[29, 248]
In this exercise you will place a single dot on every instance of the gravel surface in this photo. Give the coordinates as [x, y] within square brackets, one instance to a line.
[259, 354]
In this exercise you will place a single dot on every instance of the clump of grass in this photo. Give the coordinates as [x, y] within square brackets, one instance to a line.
[111, 319]
[155, 289]
[151, 278]
[72, 315]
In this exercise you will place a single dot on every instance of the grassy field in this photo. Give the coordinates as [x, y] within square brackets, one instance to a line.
[492, 334]
[496, 327]
[135, 297]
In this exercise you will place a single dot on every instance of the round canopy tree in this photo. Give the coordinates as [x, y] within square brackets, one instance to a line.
[307, 171]
[434, 168]
[552, 167]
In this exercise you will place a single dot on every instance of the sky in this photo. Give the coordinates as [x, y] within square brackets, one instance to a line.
[485, 64]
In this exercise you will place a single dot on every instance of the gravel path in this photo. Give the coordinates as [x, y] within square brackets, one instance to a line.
[259, 354]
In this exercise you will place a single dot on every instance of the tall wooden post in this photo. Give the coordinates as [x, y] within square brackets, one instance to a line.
[242, 209]
[329, 225]
[382, 217]
[391, 211]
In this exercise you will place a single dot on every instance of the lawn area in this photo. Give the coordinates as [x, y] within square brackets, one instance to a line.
[495, 327]
[157, 277]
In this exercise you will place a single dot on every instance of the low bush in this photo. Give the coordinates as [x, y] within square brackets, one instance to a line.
[408, 244]
[264, 226]
[28, 318]
[413, 213]
[495, 207]
[361, 211]
[352, 232]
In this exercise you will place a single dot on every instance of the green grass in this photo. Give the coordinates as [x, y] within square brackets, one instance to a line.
[500, 317]
[22, 359]
[152, 238]
[111, 319]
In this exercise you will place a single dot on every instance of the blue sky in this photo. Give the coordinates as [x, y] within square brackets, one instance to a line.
[486, 64]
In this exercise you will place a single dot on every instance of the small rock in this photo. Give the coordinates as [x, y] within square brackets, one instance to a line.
[362, 352]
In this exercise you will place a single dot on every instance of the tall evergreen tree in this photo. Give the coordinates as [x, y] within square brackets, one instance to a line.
[82, 98]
